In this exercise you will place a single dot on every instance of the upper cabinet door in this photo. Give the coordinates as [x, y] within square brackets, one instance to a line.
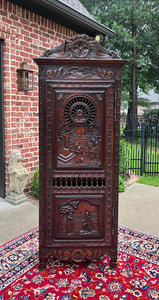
[79, 130]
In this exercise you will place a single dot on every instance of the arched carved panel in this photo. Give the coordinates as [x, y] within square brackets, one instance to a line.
[79, 138]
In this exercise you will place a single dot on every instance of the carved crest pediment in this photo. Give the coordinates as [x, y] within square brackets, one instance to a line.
[82, 47]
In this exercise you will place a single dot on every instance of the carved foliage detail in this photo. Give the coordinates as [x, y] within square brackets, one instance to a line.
[80, 73]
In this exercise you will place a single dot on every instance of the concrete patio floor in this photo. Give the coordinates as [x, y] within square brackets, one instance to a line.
[16, 220]
[138, 209]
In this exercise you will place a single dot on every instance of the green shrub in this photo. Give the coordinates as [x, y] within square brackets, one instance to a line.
[123, 158]
[35, 184]
[121, 185]
[151, 118]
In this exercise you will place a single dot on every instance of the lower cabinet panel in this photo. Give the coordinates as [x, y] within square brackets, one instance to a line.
[78, 217]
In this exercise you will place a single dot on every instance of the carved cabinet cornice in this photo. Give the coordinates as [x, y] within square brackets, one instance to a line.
[79, 104]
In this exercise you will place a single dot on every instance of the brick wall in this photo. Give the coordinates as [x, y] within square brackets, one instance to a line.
[26, 35]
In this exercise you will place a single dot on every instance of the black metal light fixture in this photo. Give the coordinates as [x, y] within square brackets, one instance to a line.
[25, 77]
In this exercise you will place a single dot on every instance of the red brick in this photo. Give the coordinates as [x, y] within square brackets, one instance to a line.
[23, 21]
[24, 54]
[13, 17]
[24, 43]
[33, 35]
[4, 13]
[25, 37]
[24, 33]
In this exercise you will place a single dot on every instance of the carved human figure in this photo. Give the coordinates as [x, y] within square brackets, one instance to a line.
[87, 223]
[69, 227]
[17, 173]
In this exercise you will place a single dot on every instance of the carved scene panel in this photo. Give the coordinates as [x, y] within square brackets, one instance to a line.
[79, 132]
[79, 146]
[79, 217]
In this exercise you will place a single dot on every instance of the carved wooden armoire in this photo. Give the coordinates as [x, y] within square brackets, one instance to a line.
[79, 90]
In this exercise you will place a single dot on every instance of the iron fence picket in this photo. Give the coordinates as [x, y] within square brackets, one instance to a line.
[143, 148]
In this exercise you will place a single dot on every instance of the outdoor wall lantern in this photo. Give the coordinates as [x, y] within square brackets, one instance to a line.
[25, 77]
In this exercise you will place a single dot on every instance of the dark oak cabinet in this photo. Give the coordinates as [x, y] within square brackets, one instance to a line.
[79, 94]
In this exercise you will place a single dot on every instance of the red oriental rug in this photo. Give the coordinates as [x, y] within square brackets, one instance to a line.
[136, 276]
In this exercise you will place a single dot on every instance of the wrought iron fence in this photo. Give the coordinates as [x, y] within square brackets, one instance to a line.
[143, 148]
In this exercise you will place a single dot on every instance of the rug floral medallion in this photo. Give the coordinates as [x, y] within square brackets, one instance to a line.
[136, 276]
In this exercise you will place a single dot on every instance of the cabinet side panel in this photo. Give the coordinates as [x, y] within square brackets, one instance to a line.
[42, 157]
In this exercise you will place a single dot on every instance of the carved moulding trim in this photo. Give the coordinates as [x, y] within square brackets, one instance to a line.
[80, 73]
[87, 190]
[117, 73]
[77, 255]
[75, 202]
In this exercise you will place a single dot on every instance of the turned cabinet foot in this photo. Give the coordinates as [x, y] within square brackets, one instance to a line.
[113, 261]
[42, 265]
[113, 264]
